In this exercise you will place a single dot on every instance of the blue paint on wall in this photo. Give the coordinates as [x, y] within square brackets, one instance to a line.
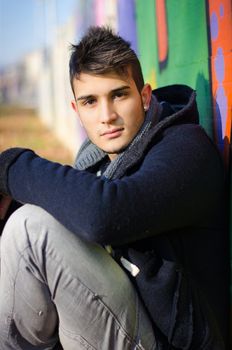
[127, 22]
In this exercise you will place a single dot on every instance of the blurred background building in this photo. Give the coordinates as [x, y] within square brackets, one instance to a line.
[177, 41]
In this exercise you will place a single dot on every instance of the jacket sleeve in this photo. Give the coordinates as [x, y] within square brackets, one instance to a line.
[179, 173]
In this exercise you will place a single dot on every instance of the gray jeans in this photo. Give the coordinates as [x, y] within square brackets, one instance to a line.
[55, 287]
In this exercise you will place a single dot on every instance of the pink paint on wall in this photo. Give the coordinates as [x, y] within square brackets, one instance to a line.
[100, 12]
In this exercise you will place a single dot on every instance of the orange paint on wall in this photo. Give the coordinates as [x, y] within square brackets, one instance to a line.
[162, 32]
[220, 15]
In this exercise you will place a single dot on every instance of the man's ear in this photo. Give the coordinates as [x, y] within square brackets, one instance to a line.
[146, 93]
[74, 107]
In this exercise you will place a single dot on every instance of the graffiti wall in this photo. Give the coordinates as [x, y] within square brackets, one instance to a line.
[190, 42]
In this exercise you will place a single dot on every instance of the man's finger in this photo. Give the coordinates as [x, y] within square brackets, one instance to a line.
[4, 206]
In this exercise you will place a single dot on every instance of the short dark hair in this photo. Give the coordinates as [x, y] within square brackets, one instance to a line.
[101, 51]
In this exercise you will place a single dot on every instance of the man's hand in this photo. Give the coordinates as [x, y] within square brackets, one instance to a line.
[5, 202]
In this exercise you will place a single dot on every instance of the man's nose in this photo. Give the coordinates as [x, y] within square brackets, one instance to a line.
[107, 113]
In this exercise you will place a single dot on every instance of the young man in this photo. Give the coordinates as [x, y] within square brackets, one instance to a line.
[128, 249]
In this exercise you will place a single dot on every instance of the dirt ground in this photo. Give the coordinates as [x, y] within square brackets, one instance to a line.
[22, 128]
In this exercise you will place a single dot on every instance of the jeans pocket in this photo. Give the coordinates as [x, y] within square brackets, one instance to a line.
[73, 341]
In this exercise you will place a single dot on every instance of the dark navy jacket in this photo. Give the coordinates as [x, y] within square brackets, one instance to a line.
[165, 205]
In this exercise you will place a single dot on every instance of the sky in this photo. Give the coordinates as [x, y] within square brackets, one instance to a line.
[24, 25]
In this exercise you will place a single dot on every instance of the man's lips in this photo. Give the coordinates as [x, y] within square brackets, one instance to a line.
[112, 132]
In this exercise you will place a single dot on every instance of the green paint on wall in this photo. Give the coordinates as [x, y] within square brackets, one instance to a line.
[147, 47]
[188, 56]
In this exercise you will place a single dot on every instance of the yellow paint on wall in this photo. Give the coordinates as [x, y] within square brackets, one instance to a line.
[152, 79]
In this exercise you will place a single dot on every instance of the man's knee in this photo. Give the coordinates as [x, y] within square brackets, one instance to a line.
[23, 279]
[27, 226]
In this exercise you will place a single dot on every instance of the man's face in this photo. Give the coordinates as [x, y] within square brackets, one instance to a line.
[110, 108]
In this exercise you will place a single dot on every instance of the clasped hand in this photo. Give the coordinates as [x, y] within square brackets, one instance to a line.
[5, 202]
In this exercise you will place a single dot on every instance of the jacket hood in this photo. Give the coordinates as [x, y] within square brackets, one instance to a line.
[178, 103]
[174, 105]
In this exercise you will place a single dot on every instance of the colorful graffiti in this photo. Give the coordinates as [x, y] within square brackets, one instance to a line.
[186, 48]
[190, 42]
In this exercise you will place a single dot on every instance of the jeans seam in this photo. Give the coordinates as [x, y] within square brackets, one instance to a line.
[10, 316]
[136, 335]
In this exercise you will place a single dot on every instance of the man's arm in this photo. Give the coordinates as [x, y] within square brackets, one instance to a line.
[179, 174]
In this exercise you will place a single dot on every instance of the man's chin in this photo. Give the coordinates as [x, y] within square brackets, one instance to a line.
[112, 151]
[115, 151]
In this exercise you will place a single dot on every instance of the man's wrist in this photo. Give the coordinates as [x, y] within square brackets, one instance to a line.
[7, 158]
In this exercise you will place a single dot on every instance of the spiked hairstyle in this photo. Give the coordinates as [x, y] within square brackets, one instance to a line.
[101, 51]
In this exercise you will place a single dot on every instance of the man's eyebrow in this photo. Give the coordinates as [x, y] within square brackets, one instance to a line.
[120, 88]
[84, 97]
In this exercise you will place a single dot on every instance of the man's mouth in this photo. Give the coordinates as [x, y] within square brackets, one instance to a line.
[113, 133]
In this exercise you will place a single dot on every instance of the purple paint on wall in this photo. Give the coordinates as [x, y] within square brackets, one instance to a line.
[221, 9]
[214, 26]
[221, 98]
[222, 106]
[219, 65]
[127, 22]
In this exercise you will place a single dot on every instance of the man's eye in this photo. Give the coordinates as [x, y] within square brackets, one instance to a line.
[119, 94]
[90, 101]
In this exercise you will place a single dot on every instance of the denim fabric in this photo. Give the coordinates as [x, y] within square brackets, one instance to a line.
[55, 287]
